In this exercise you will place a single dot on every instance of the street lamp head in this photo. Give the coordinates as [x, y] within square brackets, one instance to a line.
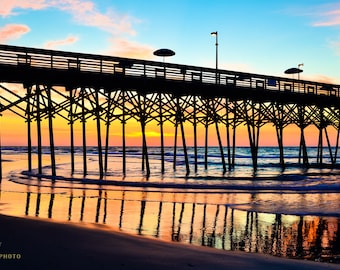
[214, 33]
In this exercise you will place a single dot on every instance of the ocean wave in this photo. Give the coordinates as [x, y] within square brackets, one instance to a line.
[277, 208]
[249, 186]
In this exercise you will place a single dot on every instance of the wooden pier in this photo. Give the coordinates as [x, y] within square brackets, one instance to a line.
[114, 89]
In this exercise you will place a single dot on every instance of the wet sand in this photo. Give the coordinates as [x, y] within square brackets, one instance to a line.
[42, 244]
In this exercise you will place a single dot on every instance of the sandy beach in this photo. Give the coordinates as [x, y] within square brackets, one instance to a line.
[34, 241]
[42, 244]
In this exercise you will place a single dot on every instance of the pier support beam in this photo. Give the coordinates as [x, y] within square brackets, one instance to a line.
[71, 122]
[107, 135]
[230, 165]
[302, 124]
[83, 121]
[206, 126]
[195, 133]
[146, 165]
[175, 147]
[233, 122]
[123, 121]
[253, 125]
[142, 119]
[50, 128]
[99, 136]
[186, 159]
[160, 104]
[279, 135]
[278, 119]
[303, 148]
[28, 117]
[39, 138]
[217, 119]
[221, 147]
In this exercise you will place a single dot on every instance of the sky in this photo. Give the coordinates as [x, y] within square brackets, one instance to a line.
[263, 37]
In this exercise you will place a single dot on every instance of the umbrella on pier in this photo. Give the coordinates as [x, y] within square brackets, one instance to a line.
[293, 70]
[164, 53]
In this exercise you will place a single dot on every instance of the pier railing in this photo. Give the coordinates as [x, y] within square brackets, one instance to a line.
[118, 66]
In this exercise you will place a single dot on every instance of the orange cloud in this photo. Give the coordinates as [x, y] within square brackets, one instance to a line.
[12, 31]
[319, 78]
[57, 43]
[126, 48]
[244, 67]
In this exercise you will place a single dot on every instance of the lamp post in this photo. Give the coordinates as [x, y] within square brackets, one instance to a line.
[299, 65]
[216, 35]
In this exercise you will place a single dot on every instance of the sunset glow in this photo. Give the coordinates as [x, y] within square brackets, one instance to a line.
[286, 34]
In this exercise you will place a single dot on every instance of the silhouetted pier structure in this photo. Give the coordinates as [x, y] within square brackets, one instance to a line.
[77, 87]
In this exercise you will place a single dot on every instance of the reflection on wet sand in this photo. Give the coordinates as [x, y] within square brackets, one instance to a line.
[194, 220]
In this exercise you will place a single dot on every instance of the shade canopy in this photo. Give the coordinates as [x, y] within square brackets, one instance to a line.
[164, 52]
[293, 70]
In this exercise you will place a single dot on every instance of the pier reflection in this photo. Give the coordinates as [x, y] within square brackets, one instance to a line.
[174, 217]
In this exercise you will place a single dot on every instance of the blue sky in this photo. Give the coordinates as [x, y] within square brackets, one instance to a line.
[264, 37]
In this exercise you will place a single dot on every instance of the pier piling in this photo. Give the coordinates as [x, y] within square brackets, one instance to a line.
[117, 91]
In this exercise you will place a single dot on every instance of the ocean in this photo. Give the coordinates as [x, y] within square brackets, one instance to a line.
[290, 213]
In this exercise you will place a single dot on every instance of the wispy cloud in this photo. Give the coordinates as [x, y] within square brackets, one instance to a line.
[86, 13]
[53, 44]
[329, 15]
[12, 31]
[320, 78]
